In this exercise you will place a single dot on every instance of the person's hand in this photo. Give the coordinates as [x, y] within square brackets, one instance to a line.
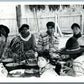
[64, 56]
[53, 50]
[36, 54]
[30, 51]
[23, 62]
[66, 68]
[15, 57]
[54, 55]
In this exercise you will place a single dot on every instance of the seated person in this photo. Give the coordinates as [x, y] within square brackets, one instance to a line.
[76, 30]
[23, 46]
[45, 68]
[4, 31]
[77, 33]
[74, 58]
[49, 41]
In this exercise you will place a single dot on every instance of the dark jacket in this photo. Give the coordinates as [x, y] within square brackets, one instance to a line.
[18, 47]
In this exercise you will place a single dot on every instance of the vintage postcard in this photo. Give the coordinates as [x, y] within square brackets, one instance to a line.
[41, 41]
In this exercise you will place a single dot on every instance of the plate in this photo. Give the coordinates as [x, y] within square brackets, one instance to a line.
[8, 60]
[12, 64]
[32, 64]
[17, 73]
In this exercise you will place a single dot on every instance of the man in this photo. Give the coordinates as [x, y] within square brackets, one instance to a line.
[49, 40]
[46, 70]
[77, 33]
[74, 58]
[22, 47]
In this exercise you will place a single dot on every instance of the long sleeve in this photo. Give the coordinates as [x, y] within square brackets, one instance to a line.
[55, 43]
[13, 47]
[33, 43]
[2, 47]
[15, 44]
[40, 43]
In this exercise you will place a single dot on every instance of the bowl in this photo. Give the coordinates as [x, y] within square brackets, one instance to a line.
[31, 72]
[12, 66]
[8, 60]
[17, 72]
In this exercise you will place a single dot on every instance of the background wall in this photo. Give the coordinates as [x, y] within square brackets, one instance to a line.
[14, 15]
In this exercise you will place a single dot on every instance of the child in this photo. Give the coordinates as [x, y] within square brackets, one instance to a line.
[45, 68]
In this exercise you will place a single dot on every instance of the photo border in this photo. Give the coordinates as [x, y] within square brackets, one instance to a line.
[38, 2]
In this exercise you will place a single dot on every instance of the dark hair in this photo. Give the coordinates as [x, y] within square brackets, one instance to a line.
[45, 54]
[75, 25]
[50, 24]
[24, 25]
[4, 30]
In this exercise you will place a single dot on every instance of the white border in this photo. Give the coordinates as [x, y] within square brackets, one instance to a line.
[41, 2]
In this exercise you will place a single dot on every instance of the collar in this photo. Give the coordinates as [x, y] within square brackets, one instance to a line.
[25, 39]
[55, 34]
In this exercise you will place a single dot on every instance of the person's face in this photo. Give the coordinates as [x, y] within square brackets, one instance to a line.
[51, 30]
[76, 30]
[2, 38]
[42, 62]
[25, 32]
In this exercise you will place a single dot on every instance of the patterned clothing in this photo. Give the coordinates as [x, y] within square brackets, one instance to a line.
[19, 48]
[47, 42]
[27, 45]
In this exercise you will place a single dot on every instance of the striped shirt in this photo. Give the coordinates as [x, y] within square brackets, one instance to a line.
[48, 42]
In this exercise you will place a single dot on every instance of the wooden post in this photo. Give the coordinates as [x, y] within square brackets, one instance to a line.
[60, 32]
[81, 22]
[18, 15]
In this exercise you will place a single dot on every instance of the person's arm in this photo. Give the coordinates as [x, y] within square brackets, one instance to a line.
[5, 53]
[33, 43]
[2, 48]
[55, 44]
[40, 44]
[12, 47]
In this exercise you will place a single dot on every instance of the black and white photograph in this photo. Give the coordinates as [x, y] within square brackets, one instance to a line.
[41, 41]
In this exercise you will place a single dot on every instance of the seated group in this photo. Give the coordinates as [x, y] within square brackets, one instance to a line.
[51, 61]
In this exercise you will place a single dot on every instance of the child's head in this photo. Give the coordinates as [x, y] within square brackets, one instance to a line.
[43, 59]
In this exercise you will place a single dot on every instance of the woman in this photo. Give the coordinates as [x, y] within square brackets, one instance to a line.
[23, 45]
